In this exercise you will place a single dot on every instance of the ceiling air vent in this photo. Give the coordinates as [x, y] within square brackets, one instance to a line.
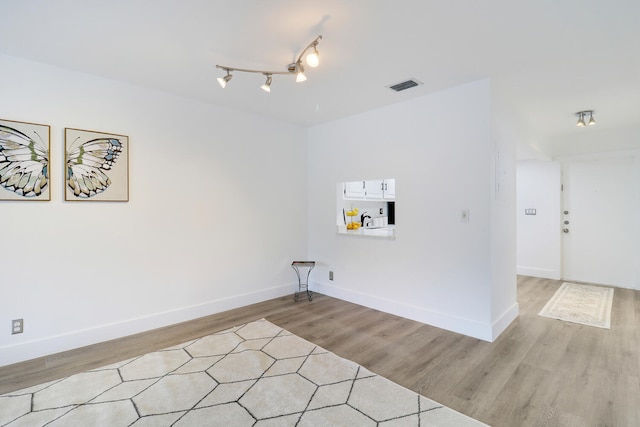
[405, 85]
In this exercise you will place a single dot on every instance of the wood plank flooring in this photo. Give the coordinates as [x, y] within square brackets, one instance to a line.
[540, 371]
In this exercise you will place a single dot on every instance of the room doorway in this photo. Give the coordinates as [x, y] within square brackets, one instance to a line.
[597, 221]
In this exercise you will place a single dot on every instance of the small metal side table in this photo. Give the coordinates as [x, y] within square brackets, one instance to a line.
[303, 283]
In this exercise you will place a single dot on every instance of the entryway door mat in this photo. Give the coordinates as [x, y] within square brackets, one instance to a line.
[584, 304]
[256, 374]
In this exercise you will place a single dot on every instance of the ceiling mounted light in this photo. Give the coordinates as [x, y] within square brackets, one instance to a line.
[267, 85]
[581, 116]
[313, 59]
[294, 68]
[299, 70]
[224, 80]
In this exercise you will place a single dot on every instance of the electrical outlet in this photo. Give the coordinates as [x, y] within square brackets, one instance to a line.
[381, 211]
[17, 326]
[331, 275]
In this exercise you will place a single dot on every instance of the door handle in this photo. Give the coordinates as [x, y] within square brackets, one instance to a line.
[566, 230]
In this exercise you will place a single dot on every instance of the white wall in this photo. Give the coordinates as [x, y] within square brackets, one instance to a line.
[507, 134]
[637, 224]
[539, 238]
[438, 270]
[216, 215]
[539, 246]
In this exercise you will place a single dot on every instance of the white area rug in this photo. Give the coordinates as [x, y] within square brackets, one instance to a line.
[584, 304]
[256, 374]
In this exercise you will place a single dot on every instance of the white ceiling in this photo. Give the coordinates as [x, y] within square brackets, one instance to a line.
[552, 57]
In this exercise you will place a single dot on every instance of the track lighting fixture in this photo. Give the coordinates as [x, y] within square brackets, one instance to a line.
[581, 116]
[295, 68]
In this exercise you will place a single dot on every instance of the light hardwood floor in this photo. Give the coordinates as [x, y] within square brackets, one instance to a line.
[539, 372]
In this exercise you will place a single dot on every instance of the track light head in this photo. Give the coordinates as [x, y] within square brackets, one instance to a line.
[580, 120]
[299, 70]
[313, 59]
[224, 80]
[592, 121]
[267, 85]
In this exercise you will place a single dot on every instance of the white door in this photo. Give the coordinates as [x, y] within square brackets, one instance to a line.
[597, 221]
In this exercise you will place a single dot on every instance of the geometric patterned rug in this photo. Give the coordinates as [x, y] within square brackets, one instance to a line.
[256, 374]
[584, 304]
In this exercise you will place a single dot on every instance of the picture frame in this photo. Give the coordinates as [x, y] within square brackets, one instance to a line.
[25, 161]
[96, 166]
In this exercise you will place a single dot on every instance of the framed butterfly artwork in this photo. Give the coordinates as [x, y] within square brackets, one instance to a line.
[96, 166]
[24, 161]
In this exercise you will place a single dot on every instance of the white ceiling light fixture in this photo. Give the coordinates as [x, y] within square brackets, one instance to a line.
[295, 68]
[582, 115]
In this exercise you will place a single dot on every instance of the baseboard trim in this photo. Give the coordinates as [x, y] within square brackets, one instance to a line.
[505, 320]
[472, 328]
[27, 350]
[545, 273]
